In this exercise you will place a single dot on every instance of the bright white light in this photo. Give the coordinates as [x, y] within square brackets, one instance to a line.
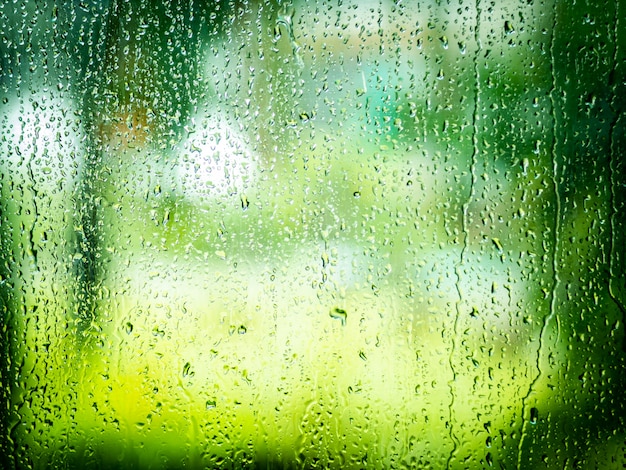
[214, 161]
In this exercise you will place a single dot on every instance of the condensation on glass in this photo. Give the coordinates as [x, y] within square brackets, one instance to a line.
[329, 234]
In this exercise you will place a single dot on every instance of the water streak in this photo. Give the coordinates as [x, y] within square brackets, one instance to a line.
[614, 180]
[556, 227]
[466, 235]
[285, 19]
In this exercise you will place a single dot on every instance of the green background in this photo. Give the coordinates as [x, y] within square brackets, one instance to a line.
[312, 234]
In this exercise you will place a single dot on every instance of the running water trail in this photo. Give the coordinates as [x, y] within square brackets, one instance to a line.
[466, 235]
[285, 19]
[529, 414]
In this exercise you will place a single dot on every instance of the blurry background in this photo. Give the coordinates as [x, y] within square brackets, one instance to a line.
[312, 234]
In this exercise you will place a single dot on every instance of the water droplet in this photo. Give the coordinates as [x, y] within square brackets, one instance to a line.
[128, 327]
[497, 244]
[242, 330]
[306, 117]
[525, 165]
[277, 33]
[534, 415]
[158, 331]
[187, 370]
[210, 404]
[339, 314]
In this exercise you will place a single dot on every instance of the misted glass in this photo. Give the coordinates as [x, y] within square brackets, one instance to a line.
[313, 234]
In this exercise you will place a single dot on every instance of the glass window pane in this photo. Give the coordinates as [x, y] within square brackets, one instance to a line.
[312, 234]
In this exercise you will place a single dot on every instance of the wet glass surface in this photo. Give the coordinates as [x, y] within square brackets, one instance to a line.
[312, 234]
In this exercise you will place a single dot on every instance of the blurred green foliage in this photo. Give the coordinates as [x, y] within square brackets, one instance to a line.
[312, 234]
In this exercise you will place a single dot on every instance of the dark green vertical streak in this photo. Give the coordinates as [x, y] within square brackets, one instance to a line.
[87, 231]
[8, 306]
[556, 227]
[616, 183]
[148, 56]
